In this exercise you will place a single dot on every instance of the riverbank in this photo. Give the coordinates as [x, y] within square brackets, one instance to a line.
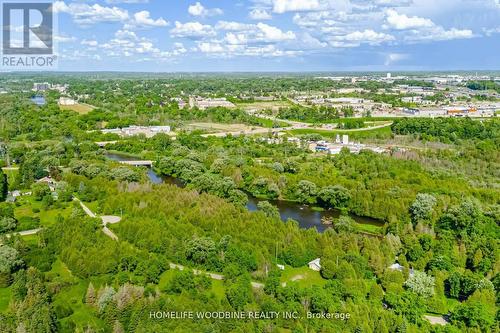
[306, 216]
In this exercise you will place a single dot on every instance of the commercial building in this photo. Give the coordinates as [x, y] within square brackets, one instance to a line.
[148, 131]
[41, 86]
[205, 103]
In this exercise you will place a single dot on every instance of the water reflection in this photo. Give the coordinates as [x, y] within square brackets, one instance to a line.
[304, 215]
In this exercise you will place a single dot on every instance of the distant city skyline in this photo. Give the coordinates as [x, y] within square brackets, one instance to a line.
[278, 35]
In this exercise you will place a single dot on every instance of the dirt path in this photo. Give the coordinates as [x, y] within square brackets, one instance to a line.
[24, 233]
[436, 320]
[213, 276]
[106, 219]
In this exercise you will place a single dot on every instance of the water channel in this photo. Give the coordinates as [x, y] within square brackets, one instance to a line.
[304, 215]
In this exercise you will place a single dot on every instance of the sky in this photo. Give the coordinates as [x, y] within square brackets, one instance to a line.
[278, 35]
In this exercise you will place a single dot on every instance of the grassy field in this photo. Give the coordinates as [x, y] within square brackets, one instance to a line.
[11, 175]
[378, 133]
[302, 276]
[367, 120]
[72, 297]
[372, 229]
[217, 288]
[78, 108]
[30, 209]
[5, 295]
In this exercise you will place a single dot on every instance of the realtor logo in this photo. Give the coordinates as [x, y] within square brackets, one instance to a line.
[27, 28]
[28, 35]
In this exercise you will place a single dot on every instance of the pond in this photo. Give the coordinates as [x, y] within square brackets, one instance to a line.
[306, 216]
[38, 100]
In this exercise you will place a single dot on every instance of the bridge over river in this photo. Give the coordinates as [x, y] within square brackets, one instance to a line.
[138, 163]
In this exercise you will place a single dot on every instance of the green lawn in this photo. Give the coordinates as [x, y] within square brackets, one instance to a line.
[165, 279]
[372, 229]
[94, 206]
[47, 217]
[82, 315]
[302, 276]
[11, 176]
[31, 239]
[378, 133]
[72, 296]
[5, 294]
[217, 288]
[60, 271]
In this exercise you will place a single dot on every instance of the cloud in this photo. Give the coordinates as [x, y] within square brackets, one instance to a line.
[392, 58]
[233, 26]
[259, 14]
[199, 10]
[418, 29]
[491, 31]
[114, 2]
[401, 21]
[357, 38]
[210, 47]
[126, 43]
[236, 39]
[84, 14]
[64, 39]
[92, 43]
[143, 19]
[283, 6]
[220, 49]
[438, 33]
[273, 34]
[259, 32]
[193, 30]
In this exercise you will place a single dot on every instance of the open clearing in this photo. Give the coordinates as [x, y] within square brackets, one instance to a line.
[78, 108]
[303, 276]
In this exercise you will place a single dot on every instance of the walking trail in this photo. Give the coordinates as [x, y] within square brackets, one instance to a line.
[106, 219]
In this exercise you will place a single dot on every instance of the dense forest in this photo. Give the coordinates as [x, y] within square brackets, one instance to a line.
[449, 129]
[433, 254]
[483, 85]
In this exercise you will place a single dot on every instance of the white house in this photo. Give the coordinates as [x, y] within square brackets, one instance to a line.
[49, 181]
[315, 265]
[396, 267]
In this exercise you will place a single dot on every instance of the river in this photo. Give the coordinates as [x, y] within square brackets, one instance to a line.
[303, 214]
